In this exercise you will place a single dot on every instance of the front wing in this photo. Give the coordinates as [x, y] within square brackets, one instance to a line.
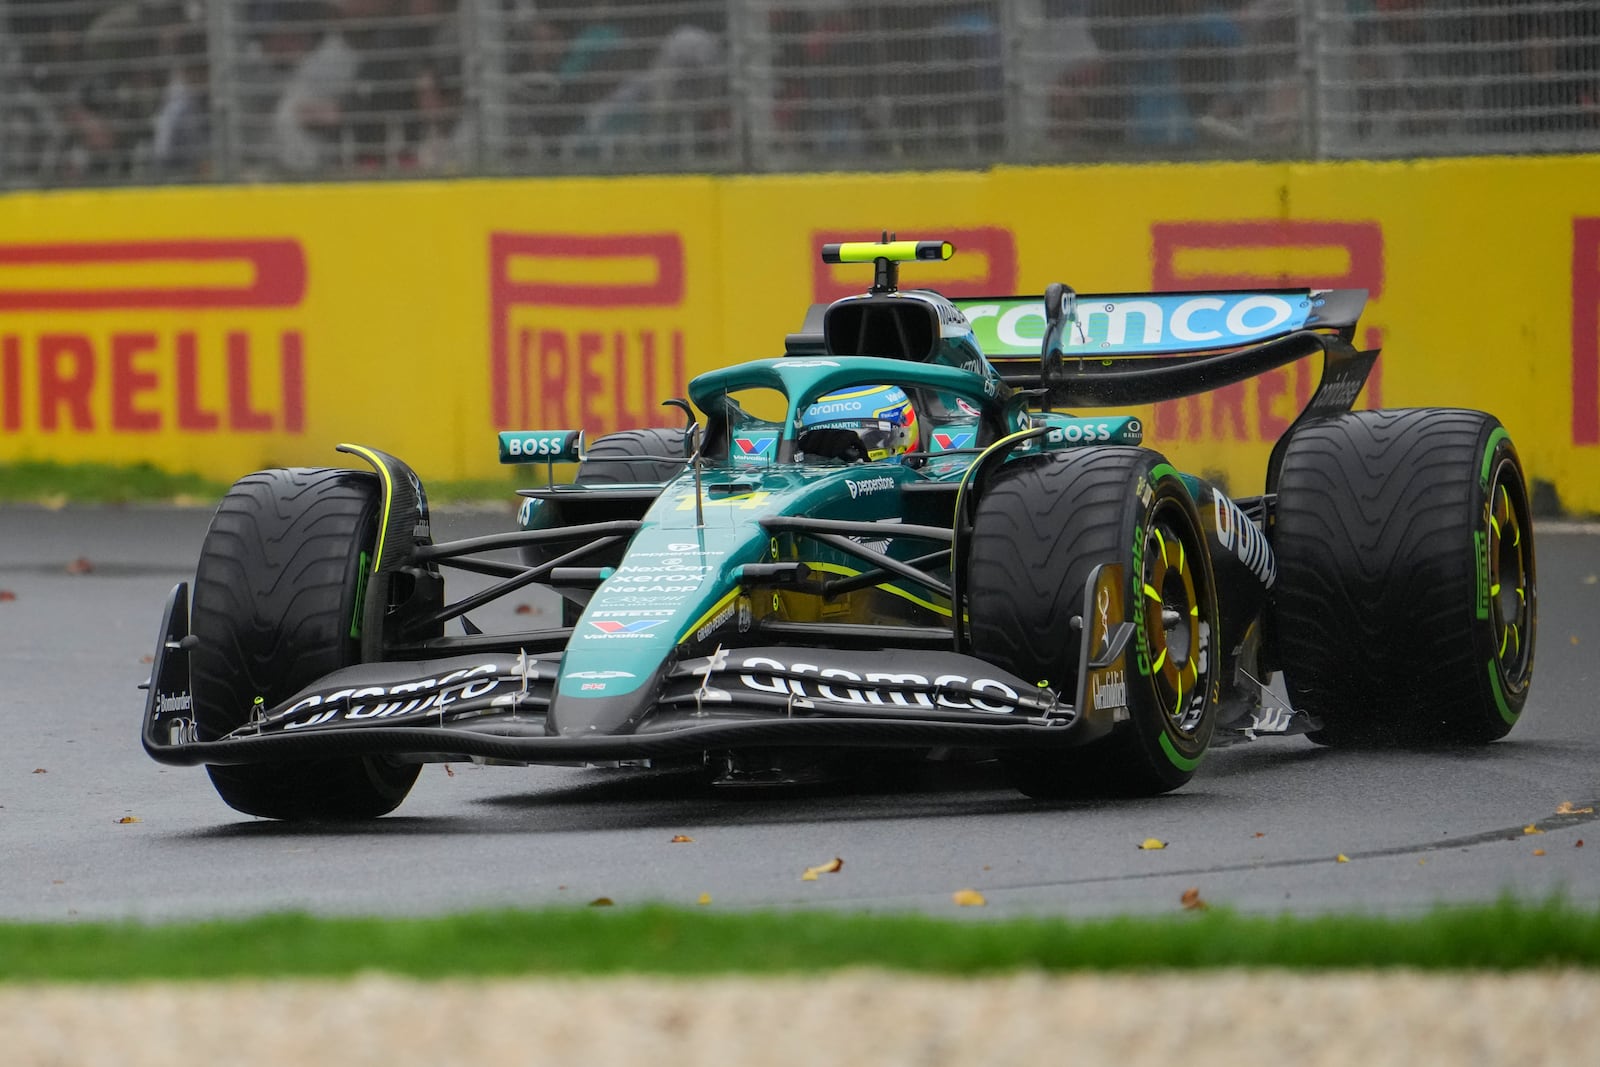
[497, 706]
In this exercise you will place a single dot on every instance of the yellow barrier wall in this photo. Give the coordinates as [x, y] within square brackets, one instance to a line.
[223, 329]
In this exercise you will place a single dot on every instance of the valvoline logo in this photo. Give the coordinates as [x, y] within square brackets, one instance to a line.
[611, 626]
[753, 446]
[948, 441]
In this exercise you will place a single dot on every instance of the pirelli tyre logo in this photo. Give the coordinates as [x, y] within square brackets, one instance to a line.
[585, 329]
[197, 336]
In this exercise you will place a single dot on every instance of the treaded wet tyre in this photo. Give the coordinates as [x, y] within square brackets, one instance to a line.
[1041, 528]
[1406, 602]
[653, 454]
[276, 606]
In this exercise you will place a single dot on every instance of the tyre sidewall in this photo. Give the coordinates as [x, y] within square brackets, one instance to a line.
[1173, 752]
[1508, 688]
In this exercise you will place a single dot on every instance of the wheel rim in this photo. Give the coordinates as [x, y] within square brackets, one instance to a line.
[1173, 625]
[1510, 577]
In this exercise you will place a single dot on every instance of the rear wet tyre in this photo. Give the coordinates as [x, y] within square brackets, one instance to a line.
[1406, 602]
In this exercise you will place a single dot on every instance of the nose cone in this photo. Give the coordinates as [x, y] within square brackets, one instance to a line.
[601, 693]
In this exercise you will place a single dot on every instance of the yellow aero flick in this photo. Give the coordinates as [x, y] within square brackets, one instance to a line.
[898, 251]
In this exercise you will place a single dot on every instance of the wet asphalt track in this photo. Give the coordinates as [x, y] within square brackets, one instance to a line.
[1259, 829]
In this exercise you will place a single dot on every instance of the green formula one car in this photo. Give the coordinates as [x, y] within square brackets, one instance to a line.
[891, 540]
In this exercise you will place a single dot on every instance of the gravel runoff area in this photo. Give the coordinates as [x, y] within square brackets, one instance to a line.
[1195, 1018]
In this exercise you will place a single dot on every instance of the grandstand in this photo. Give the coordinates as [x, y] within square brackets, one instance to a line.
[96, 92]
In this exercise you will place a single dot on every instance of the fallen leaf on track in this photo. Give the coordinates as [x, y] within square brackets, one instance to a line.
[1531, 829]
[1151, 844]
[524, 609]
[1341, 858]
[1538, 852]
[40, 770]
[1578, 843]
[81, 565]
[1192, 901]
[1258, 834]
[1566, 808]
[1591, 579]
[6, 594]
[705, 898]
[126, 819]
[822, 868]
[682, 839]
[448, 772]
[601, 902]
[968, 898]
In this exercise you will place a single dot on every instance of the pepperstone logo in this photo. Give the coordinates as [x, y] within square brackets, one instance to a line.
[163, 334]
[600, 352]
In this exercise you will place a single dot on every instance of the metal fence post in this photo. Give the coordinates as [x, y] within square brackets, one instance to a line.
[741, 85]
[751, 82]
[1018, 140]
[1309, 46]
[221, 86]
[483, 65]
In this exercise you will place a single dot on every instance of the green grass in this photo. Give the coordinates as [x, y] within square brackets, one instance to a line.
[100, 483]
[59, 484]
[662, 940]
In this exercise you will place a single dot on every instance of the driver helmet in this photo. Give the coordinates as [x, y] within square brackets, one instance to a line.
[881, 415]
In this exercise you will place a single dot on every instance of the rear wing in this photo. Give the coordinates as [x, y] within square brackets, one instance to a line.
[1136, 348]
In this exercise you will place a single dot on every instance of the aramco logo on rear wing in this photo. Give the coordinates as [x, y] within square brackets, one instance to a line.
[147, 336]
[585, 329]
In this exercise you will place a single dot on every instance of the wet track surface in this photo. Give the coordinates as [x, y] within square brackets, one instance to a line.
[1259, 829]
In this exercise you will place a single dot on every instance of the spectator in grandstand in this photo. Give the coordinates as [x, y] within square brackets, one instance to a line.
[1182, 62]
[1084, 109]
[308, 119]
[1267, 107]
[91, 76]
[31, 134]
[446, 133]
[181, 130]
[670, 107]
[123, 76]
[408, 83]
[565, 58]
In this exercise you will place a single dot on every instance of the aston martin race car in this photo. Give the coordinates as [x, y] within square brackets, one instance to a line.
[929, 527]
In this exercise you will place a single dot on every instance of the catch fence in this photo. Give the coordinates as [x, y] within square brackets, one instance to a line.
[150, 91]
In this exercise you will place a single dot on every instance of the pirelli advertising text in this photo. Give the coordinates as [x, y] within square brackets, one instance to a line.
[221, 330]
